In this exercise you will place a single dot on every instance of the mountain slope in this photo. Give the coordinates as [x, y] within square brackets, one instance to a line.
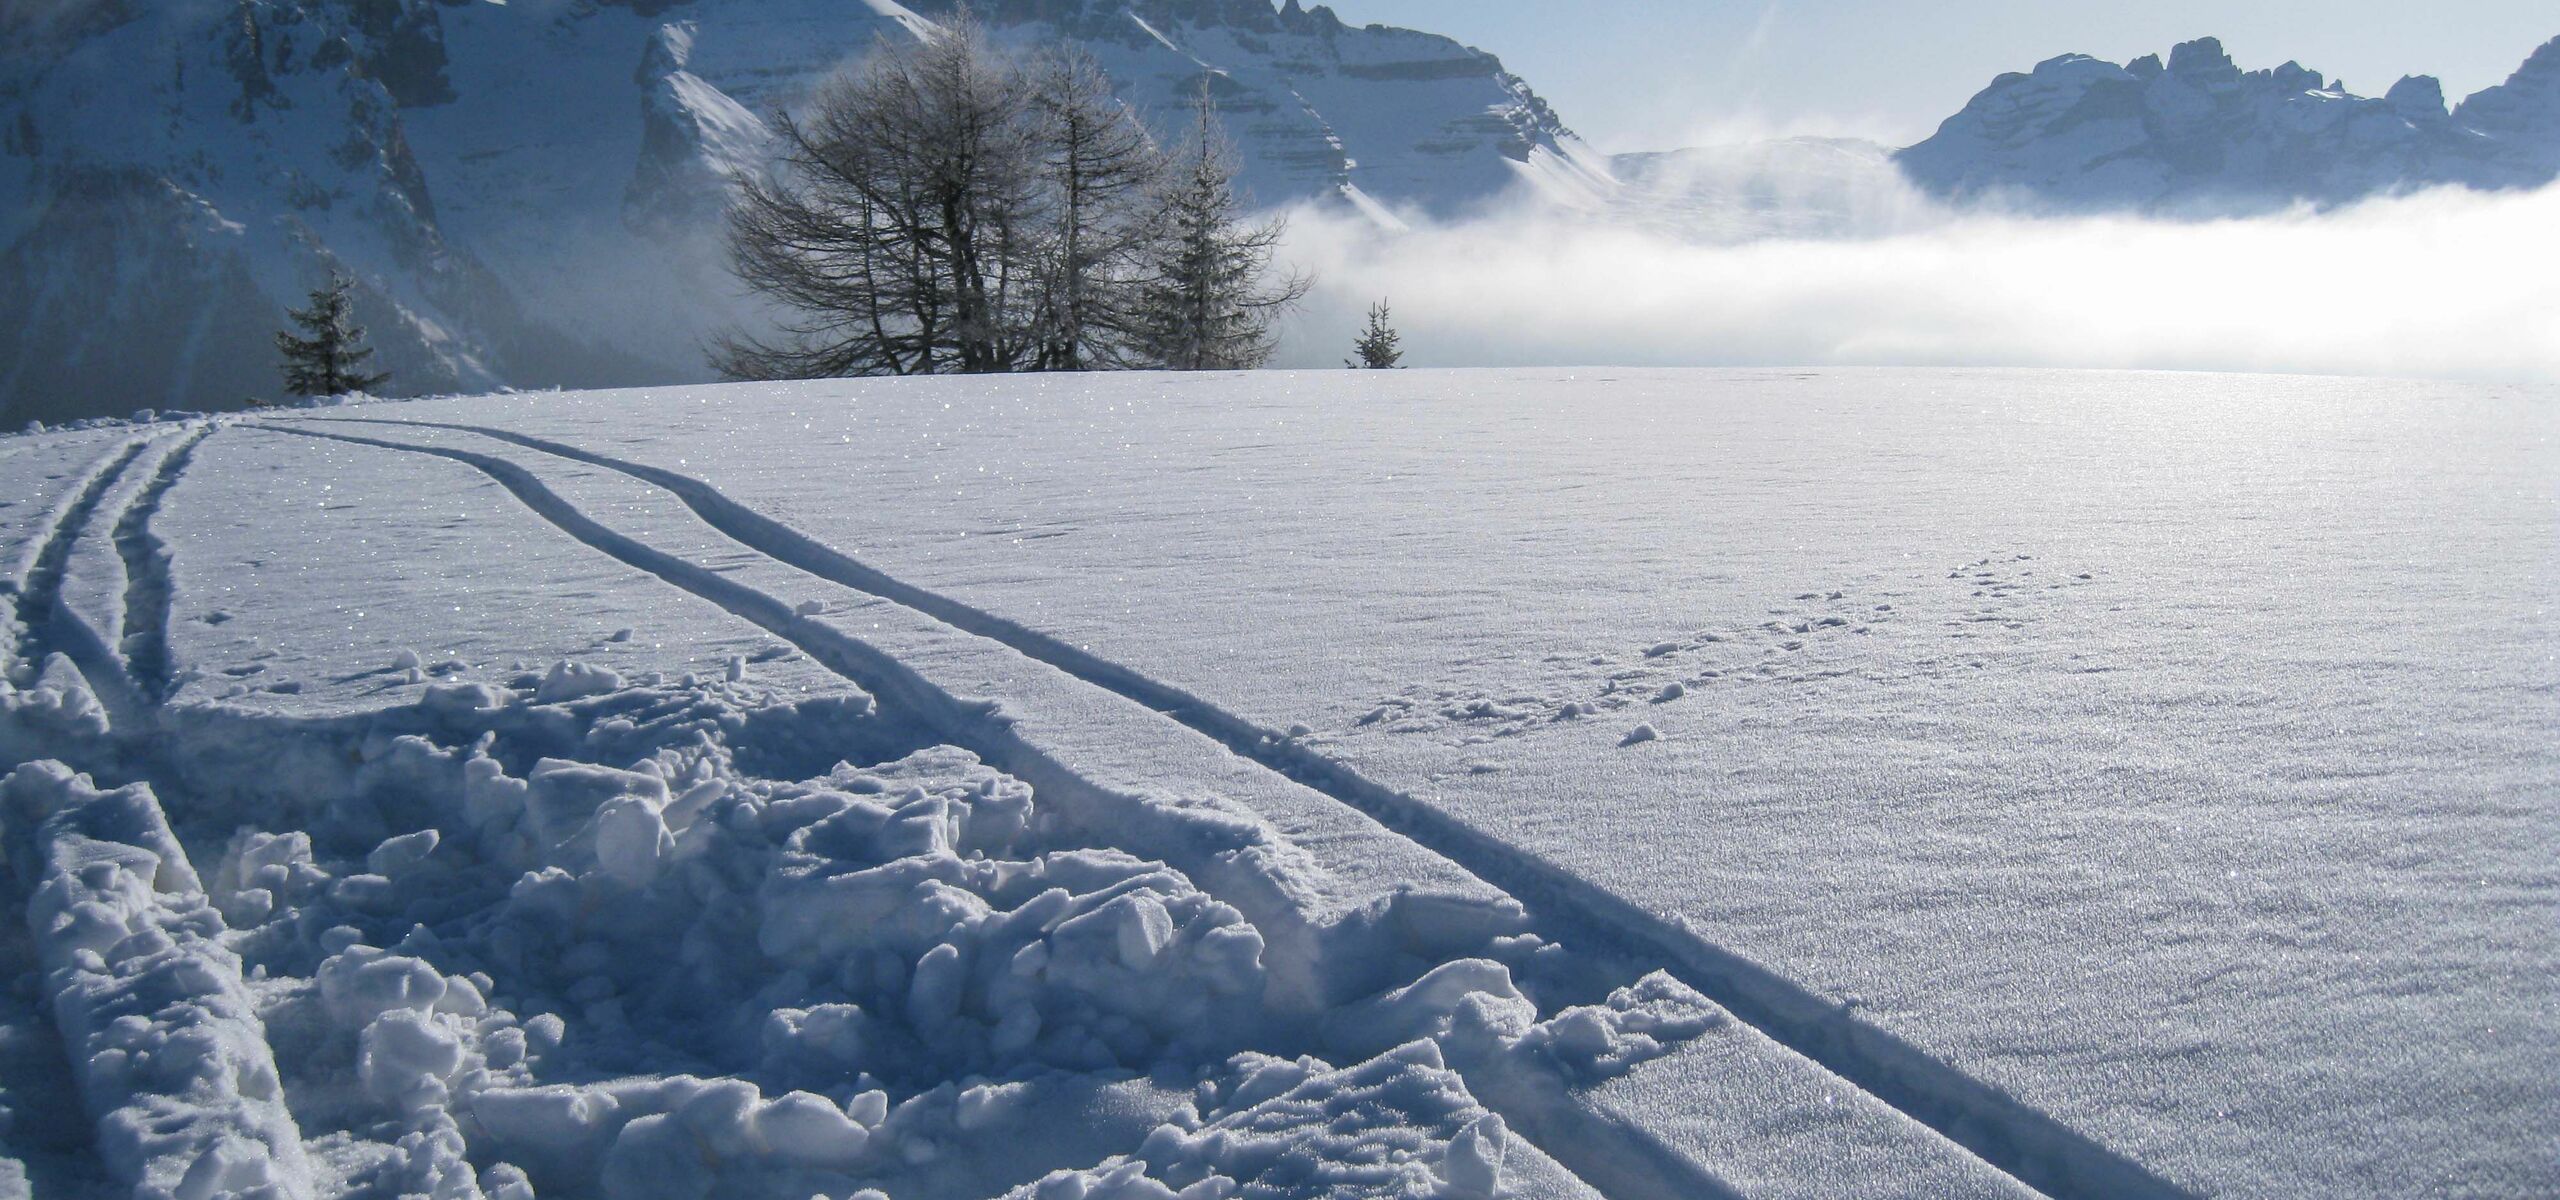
[2197, 134]
[528, 193]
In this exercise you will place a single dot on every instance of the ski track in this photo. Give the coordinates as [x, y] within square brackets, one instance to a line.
[43, 582]
[48, 625]
[1622, 1162]
[45, 1073]
[147, 585]
[2020, 1141]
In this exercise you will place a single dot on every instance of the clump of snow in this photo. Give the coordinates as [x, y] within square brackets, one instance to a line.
[172, 1058]
[1640, 734]
[1400, 1124]
[574, 680]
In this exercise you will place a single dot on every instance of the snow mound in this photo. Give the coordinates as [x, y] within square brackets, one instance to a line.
[585, 938]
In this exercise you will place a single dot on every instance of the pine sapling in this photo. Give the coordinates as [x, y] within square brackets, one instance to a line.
[1379, 347]
[329, 359]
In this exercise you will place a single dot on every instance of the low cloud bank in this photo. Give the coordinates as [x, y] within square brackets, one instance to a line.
[2444, 284]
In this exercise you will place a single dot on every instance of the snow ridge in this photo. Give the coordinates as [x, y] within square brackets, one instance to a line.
[177, 1070]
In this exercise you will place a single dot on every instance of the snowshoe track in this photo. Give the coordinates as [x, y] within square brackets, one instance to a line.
[2022, 1142]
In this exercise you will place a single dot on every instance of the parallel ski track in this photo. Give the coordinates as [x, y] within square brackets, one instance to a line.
[1623, 1163]
[38, 601]
[42, 587]
[47, 627]
[146, 575]
[2023, 1142]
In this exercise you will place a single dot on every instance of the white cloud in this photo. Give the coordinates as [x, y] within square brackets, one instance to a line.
[2444, 283]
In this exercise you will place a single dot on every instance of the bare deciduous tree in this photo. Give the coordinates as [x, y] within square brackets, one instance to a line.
[948, 206]
[1102, 170]
[899, 233]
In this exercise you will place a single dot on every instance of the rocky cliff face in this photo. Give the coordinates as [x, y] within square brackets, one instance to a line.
[2198, 134]
[528, 193]
[2522, 115]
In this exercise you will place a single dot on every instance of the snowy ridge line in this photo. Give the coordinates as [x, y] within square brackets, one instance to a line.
[2020, 1141]
[145, 642]
[1623, 1162]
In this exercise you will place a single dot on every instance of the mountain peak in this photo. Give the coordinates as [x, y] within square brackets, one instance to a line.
[2200, 134]
[2416, 96]
[2202, 59]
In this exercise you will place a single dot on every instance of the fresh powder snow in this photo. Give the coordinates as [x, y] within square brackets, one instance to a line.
[1638, 784]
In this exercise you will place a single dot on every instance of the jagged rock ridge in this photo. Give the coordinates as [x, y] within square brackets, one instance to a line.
[2198, 134]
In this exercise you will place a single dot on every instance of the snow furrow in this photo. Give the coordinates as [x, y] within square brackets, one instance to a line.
[172, 1059]
[98, 576]
[145, 639]
[50, 626]
[39, 578]
[2026, 1144]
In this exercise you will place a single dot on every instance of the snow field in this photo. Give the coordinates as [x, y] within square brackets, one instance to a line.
[2139, 789]
[505, 931]
[1860, 1124]
[1342, 919]
[2160, 759]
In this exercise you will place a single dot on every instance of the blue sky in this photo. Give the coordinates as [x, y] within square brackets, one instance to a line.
[1652, 74]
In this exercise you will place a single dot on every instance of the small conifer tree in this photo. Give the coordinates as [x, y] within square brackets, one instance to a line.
[1379, 347]
[1211, 302]
[329, 361]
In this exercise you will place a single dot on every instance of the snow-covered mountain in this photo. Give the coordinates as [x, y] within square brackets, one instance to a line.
[2198, 134]
[527, 192]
